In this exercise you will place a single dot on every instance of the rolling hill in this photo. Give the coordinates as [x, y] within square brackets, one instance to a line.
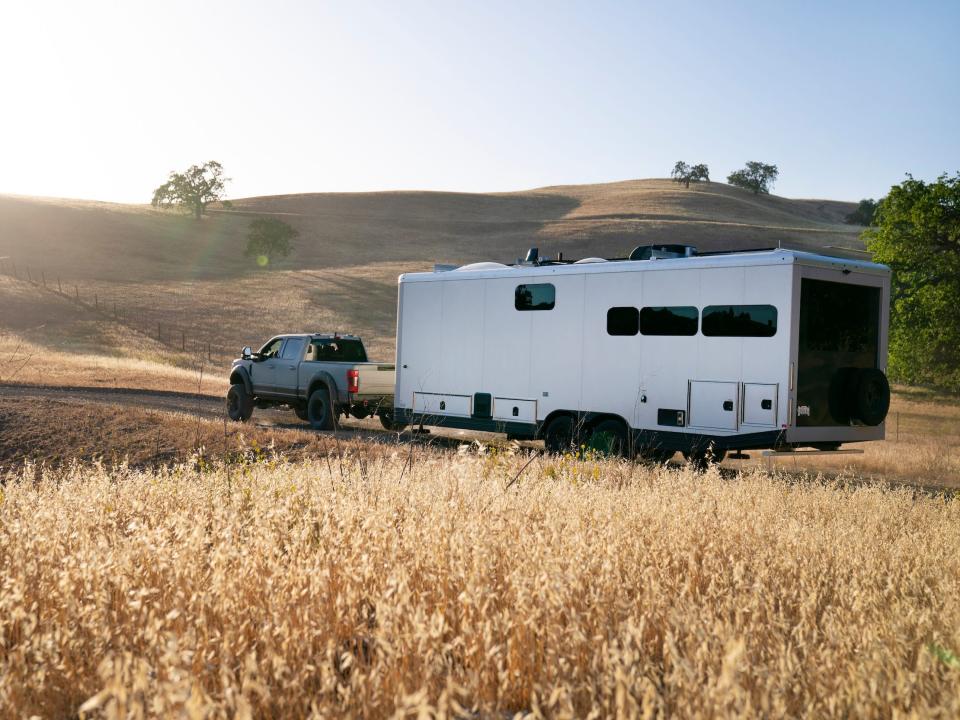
[104, 241]
[172, 278]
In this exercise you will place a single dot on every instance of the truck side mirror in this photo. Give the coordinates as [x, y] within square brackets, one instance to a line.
[246, 352]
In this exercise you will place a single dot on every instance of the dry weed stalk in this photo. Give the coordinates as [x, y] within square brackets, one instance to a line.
[582, 588]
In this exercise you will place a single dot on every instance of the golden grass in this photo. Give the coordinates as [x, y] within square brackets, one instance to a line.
[377, 587]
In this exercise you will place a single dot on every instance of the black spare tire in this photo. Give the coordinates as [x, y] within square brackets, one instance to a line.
[870, 396]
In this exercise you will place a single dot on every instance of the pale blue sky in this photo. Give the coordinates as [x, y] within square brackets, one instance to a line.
[101, 100]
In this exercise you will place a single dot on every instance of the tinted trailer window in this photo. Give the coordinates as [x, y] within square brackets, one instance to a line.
[839, 332]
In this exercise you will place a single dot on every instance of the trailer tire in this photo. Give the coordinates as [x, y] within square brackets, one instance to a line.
[702, 458]
[320, 410]
[239, 403]
[559, 435]
[609, 437]
[388, 422]
[871, 396]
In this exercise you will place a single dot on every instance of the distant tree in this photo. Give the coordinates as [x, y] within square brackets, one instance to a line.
[192, 190]
[269, 238]
[917, 233]
[864, 213]
[757, 177]
[686, 174]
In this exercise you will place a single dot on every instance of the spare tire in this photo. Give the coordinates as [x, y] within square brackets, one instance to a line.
[870, 396]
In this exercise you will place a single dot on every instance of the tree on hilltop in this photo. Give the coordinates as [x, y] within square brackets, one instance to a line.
[864, 213]
[686, 174]
[269, 238]
[917, 233]
[192, 190]
[756, 177]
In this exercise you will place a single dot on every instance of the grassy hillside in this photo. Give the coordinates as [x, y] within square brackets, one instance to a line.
[103, 241]
[171, 277]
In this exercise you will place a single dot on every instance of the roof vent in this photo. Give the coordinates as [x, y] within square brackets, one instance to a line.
[659, 252]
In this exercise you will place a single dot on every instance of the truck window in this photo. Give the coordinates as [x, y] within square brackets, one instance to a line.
[740, 321]
[535, 297]
[338, 350]
[623, 321]
[271, 349]
[678, 320]
[293, 349]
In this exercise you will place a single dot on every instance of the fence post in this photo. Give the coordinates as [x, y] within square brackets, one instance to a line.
[29, 276]
[183, 341]
[209, 356]
[14, 269]
[77, 291]
[159, 332]
[96, 302]
[59, 286]
[43, 277]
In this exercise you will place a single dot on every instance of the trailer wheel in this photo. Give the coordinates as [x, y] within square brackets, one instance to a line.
[609, 437]
[239, 403]
[702, 458]
[388, 422]
[871, 396]
[320, 410]
[559, 435]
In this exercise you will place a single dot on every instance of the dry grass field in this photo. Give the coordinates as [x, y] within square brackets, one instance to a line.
[158, 562]
[412, 583]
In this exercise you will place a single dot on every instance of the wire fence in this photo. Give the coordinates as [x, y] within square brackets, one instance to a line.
[110, 306]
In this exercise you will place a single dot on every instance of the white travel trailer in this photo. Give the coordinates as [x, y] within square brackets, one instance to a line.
[675, 352]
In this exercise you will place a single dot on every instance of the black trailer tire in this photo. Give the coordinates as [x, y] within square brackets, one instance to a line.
[871, 396]
[702, 458]
[239, 403]
[609, 437]
[388, 422]
[320, 410]
[559, 436]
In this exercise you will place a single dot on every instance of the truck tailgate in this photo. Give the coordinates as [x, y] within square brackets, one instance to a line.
[376, 379]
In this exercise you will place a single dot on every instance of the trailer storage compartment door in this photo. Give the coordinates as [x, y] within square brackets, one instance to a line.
[714, 405]
[514, 410]
[441, 404]
[760, 404]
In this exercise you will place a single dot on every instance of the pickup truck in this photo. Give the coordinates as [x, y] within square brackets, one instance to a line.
[319, 376]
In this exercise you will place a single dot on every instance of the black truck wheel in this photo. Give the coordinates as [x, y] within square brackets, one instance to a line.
[320, 410]
[301, 410]
[239, 403]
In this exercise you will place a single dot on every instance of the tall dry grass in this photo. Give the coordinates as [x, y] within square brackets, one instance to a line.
[429, 584]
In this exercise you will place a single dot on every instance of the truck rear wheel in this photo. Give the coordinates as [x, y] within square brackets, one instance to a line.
[301, 411]
[320, 410]
[239, 403]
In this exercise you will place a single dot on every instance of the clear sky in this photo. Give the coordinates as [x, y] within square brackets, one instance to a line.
[102, 99]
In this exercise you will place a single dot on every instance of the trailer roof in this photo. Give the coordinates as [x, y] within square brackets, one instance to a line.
[737, 259]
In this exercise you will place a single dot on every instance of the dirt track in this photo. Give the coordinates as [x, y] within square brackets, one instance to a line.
[189, 403]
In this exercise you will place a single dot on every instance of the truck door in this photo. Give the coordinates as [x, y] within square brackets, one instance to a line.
[264, 368]
[288, 364]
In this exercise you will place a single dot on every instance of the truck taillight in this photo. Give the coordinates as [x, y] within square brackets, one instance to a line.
[353, 381]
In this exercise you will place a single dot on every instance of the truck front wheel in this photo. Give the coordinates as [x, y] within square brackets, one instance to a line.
[320, 411]
[239, 403]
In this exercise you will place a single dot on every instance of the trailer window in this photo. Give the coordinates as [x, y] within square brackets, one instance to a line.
[740, 321]
[679, 320]
[623, 321]
[535, 297]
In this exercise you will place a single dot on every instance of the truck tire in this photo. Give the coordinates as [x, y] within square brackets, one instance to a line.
[301, 411]
[388, 422]
[239, 403]
[320, 410]
[559, 436]
[871, 396]
[609, 437]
